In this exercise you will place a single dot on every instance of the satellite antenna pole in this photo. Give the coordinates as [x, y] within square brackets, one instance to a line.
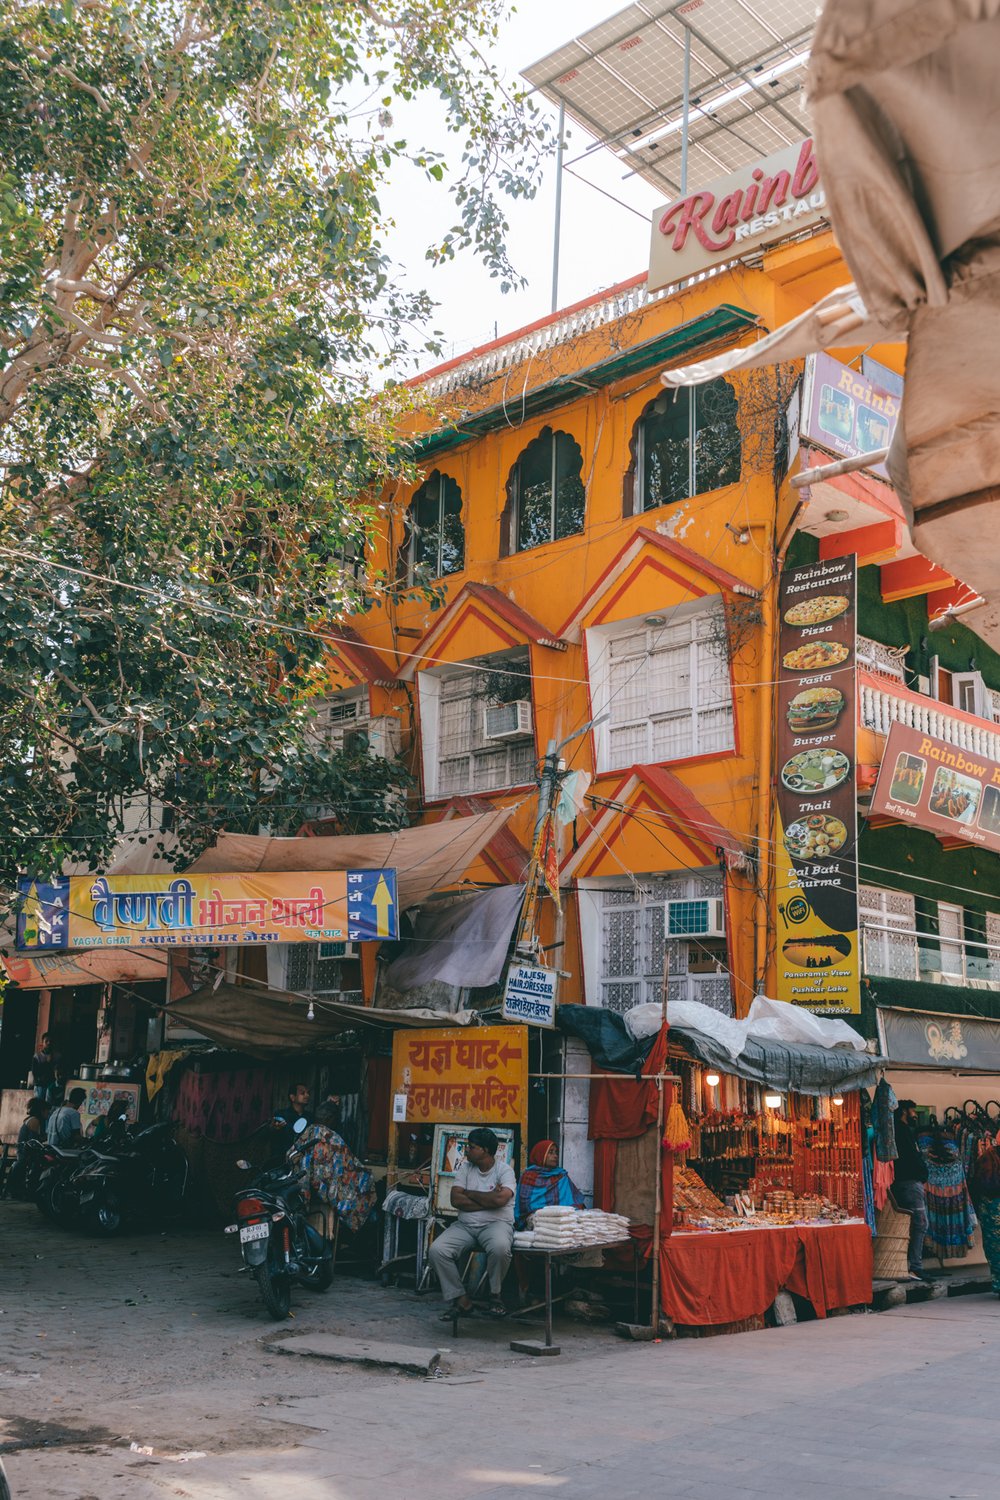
[558, 224]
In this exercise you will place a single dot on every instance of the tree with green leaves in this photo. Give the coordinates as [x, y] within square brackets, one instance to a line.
[197, 305]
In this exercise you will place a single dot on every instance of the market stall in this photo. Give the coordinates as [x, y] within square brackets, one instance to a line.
[763, 1182]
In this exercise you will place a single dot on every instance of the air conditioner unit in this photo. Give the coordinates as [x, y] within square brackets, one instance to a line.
[378, 737]
[701, 918]
[507, 721]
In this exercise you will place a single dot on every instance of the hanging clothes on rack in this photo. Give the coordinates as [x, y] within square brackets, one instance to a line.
[883, 1112]
[951, 1219]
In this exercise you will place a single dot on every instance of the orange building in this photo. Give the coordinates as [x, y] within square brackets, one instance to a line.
[605, 553]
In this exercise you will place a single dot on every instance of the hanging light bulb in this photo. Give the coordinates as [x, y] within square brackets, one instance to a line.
[838, 1099]
[772, 1101]
[712, 1079]
[311, 1012]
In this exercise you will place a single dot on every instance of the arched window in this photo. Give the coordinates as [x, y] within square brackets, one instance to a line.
[545, 492]
[685, 443]
[436, 544]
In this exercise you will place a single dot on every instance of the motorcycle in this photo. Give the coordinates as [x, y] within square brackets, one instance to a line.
[279, 1245]
[143, 1175]
[52, 1169]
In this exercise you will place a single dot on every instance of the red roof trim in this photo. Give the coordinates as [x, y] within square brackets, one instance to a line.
[361, 657]
[640, 538]
[504, 852]
[443, 628]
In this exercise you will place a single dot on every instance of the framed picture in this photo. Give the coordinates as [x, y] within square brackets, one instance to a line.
[449, 1153]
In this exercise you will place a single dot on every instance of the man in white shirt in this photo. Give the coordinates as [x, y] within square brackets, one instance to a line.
[483, 1192]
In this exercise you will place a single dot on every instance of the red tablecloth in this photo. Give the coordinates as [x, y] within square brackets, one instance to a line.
[723, 1278]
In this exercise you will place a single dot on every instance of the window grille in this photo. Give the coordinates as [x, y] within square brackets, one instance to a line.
[892, 955]
[466, 760]
[634, 951]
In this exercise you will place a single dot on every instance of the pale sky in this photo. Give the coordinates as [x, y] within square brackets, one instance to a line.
[602, 243]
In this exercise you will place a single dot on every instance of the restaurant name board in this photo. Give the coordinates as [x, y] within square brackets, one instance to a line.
[816, 849]
[750, 208]
[951, 792]
[454, 1073]
[846, 412]
[168, 910]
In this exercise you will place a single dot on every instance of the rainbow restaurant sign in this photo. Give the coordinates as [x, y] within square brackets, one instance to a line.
[742, 212]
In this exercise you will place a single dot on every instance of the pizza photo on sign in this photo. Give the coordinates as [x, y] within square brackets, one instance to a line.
[817, 611]
[816, 837]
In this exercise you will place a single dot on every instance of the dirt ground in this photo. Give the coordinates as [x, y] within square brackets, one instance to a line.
[161, 1340]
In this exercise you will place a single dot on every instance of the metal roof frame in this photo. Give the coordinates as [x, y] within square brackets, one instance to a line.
[622, 81]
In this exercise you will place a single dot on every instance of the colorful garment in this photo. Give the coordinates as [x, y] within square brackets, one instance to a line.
[336, 1177]
[951, 1218]
[542, 1186]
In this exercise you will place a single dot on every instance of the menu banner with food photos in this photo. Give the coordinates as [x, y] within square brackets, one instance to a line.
[816, 859]
[952, 792]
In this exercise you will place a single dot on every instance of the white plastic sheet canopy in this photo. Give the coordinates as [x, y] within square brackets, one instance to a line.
[903, 99]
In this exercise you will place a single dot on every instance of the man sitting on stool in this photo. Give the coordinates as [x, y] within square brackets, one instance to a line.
[483, 1192]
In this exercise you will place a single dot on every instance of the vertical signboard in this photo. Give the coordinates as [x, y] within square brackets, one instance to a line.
[816, 832]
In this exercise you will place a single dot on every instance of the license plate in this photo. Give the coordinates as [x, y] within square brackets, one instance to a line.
[254, 1232]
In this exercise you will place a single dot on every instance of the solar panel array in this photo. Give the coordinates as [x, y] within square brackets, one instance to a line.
[623, 81]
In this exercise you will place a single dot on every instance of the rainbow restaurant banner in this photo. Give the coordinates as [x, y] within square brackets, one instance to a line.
[816, 861]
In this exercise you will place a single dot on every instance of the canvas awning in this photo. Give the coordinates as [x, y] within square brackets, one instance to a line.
[426, 859]
[902, 99]
[939, 1040]
[273, 1023]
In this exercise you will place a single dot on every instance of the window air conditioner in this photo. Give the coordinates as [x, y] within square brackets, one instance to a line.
[378, 737]
[704, 918]
[507, 721]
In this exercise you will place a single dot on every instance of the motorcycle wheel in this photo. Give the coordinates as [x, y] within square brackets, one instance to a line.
[104, 1216]
[275, 1289]
[52, 1202]
[322, 1278]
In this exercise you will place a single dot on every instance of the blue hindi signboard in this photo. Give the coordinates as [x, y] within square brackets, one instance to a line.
[530, 995]
[372, 905]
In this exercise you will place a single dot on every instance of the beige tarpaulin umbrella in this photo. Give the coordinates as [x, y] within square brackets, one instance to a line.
[903, 96]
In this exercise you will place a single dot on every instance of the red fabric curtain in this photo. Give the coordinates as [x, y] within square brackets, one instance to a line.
[621, 1107]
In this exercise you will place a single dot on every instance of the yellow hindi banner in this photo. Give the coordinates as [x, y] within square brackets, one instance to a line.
[470, 1074]
[167, 910]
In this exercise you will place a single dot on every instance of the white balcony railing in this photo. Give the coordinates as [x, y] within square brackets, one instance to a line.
[891, 952]
[882, 706]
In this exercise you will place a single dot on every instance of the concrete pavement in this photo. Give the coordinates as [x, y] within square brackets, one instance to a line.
[157, 1342]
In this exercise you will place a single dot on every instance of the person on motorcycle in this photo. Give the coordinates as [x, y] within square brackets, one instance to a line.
[297, 1108]
[65, 1128]
[338, 1183]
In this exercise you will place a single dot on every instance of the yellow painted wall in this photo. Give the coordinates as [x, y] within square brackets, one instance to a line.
[550, 582]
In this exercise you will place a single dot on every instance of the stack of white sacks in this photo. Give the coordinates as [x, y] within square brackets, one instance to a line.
[558, 1228]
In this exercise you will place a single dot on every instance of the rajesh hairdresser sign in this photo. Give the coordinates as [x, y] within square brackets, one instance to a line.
[951, 792]
[749, 209]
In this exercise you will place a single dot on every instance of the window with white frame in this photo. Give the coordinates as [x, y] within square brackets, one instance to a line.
[623, 928]
[464, 750]
[342, 720]
[888, 921]
[664, 685]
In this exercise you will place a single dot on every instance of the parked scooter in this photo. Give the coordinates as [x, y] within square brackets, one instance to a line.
[279, 1244]
[144, 1177]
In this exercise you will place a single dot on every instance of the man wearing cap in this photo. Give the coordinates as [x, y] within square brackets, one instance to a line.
[483, 1193]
